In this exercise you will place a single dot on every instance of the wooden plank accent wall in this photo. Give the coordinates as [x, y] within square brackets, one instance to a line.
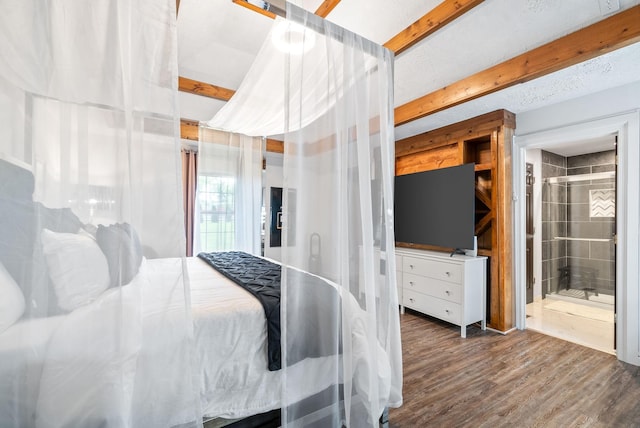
[496, 300]
[438, 157]
[503, 214]
[612, 33]
[483, 156]
[465, 130]
[428, 24]
[484, 223]
[482, 195]
[485, 140]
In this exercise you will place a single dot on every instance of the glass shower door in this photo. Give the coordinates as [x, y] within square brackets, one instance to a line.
[581, 239]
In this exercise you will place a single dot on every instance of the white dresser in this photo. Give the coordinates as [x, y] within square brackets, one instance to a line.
[449, 288]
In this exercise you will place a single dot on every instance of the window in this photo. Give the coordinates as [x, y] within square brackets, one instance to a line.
[216, 200]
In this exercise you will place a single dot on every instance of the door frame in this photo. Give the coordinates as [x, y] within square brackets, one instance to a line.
[627, 127]
[529, 221]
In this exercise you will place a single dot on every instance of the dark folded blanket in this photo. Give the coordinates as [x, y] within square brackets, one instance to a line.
[316, 335]
[261, 278]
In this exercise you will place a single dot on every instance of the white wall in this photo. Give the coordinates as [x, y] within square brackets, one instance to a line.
[613, 111]
[12, 137]
[594, 106]
[312, 214]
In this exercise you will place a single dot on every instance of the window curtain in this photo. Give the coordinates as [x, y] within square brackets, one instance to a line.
[189, 182]
[338, 198]
[229, 196]
[95, 323]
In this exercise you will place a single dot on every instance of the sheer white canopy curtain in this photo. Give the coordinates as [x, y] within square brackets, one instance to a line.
[330, 92]
[90, 193]
[96, 320]
[338, 172]
[229, 192]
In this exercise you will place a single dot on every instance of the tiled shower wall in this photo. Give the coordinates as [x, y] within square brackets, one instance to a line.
[567, 211]
[591, 216]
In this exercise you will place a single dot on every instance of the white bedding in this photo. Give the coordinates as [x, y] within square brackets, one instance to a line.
[231, 342]
[23, 347]
[125, 378]
[235, 380]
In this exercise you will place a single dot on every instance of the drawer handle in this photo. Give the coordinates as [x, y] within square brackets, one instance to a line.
[410, 266]
[448, 273]
[448, 292]
[411, 299]
[447, 311]
[411, 283]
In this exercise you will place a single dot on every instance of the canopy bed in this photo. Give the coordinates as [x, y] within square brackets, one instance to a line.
[106, 322]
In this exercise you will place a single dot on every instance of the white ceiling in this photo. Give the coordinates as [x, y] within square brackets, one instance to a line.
[579, 147]
[217, 41]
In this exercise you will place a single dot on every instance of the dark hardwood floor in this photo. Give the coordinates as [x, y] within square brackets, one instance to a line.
[523, 379]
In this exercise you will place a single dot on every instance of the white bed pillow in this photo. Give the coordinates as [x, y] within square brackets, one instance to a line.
[11, 300]
[77, 267]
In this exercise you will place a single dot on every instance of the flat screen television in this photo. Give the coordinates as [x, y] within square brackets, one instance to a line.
[436, 207]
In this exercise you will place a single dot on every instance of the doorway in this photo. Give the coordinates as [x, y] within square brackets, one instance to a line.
[574, 211]
[580, 134]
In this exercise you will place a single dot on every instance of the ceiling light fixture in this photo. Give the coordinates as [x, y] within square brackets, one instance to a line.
[290, 37]
[259, 3]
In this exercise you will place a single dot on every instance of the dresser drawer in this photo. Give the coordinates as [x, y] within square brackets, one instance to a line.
[450, 272]
[439, 308]
[433, 287]
[399, 285]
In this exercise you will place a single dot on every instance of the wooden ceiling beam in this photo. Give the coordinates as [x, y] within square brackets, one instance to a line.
[254, 8]
[205, 89]
[434, 20]
[189, 129]
[275, 146]
[615, 32]
[326, 7]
